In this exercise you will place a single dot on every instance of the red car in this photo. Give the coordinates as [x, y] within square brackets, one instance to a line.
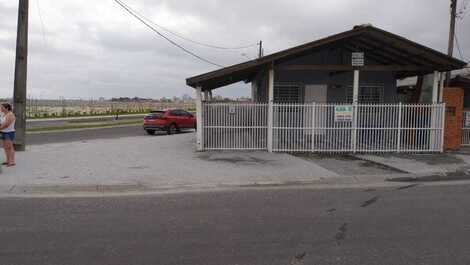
[172, 120]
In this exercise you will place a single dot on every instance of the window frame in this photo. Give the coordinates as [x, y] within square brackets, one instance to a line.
[381, 97]
[300, 87]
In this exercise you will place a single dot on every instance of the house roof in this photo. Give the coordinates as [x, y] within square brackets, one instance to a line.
[379, 45]
[461, 80]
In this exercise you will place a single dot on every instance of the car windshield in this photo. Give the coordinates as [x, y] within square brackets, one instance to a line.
[155, 115]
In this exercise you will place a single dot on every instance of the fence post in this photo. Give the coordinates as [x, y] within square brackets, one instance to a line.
[443, 125]
[199, 120]
[400, 108]
[354, 127]
[270, 125]
[270, 108]
[314, 108]
[355, 101]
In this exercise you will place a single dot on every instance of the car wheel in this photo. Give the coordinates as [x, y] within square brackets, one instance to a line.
[172, 128]
[150, 132]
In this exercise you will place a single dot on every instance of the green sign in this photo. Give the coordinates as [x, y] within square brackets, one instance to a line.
[343, 113]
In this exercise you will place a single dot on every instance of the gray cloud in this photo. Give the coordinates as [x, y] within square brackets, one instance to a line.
[93, 48]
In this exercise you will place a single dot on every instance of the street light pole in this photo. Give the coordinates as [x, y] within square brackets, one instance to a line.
[21, 66]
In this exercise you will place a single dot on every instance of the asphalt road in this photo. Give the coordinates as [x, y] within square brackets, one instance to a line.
[83, 135]
[413, 225]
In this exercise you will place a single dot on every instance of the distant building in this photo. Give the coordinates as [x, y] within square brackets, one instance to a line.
[186, 98]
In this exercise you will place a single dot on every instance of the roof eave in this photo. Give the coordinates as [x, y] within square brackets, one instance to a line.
[450, 63]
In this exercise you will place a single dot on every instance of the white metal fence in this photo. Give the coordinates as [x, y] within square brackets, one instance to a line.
[325, 127]
[235, 126]
[466, 128]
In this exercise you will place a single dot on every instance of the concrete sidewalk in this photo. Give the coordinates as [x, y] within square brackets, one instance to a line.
[151, 162]
[162, 162]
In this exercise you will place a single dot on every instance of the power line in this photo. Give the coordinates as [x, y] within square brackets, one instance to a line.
[460, 14]
[165, 37]
[458, 48]
[42, 21]
[188, 39]
[462, 10]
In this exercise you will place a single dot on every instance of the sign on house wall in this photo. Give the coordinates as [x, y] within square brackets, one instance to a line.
[357, 59]
[343, 113]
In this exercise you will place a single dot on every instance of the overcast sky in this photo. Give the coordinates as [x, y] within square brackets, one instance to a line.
[86, 48]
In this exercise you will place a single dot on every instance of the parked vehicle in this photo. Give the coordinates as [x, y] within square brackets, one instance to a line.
[171, 121]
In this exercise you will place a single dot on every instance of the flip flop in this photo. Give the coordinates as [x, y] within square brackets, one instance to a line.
[4, 163]
[11, 165]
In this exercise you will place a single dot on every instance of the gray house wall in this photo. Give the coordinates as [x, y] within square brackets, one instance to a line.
[338, 83]
[261, 93]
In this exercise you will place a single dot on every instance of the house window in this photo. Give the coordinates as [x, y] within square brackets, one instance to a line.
[367, 94]
[288, 93]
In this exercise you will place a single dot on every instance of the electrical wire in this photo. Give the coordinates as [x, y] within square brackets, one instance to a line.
[42, 21]
[186, 38]
[461, 15]
[165, 37]
[458, 47]
[462, 10]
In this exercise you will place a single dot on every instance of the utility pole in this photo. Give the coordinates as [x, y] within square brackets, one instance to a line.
[450, 51]
[21, 66]
[260, 49]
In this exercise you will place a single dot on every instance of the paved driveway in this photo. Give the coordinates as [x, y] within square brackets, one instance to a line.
[156, 161]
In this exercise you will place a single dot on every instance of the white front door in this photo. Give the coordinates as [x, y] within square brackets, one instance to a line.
[317, 94]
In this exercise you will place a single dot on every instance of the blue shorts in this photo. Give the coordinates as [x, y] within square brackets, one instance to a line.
[8, 136]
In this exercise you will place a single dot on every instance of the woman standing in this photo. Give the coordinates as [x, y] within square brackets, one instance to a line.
[7, 128]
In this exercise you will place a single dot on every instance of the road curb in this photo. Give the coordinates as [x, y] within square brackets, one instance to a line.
[64, 189]
[148, 188]
[459, 175]
[121, 189]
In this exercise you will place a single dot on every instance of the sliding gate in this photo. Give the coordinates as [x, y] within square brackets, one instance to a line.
[329, 128]
[235, 126]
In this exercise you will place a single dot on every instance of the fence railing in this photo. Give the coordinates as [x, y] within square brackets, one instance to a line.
[466, 128]
[358, 128]
[325, 127]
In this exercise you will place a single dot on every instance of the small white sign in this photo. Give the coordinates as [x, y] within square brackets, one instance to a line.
[343, 113]
[357, 59]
